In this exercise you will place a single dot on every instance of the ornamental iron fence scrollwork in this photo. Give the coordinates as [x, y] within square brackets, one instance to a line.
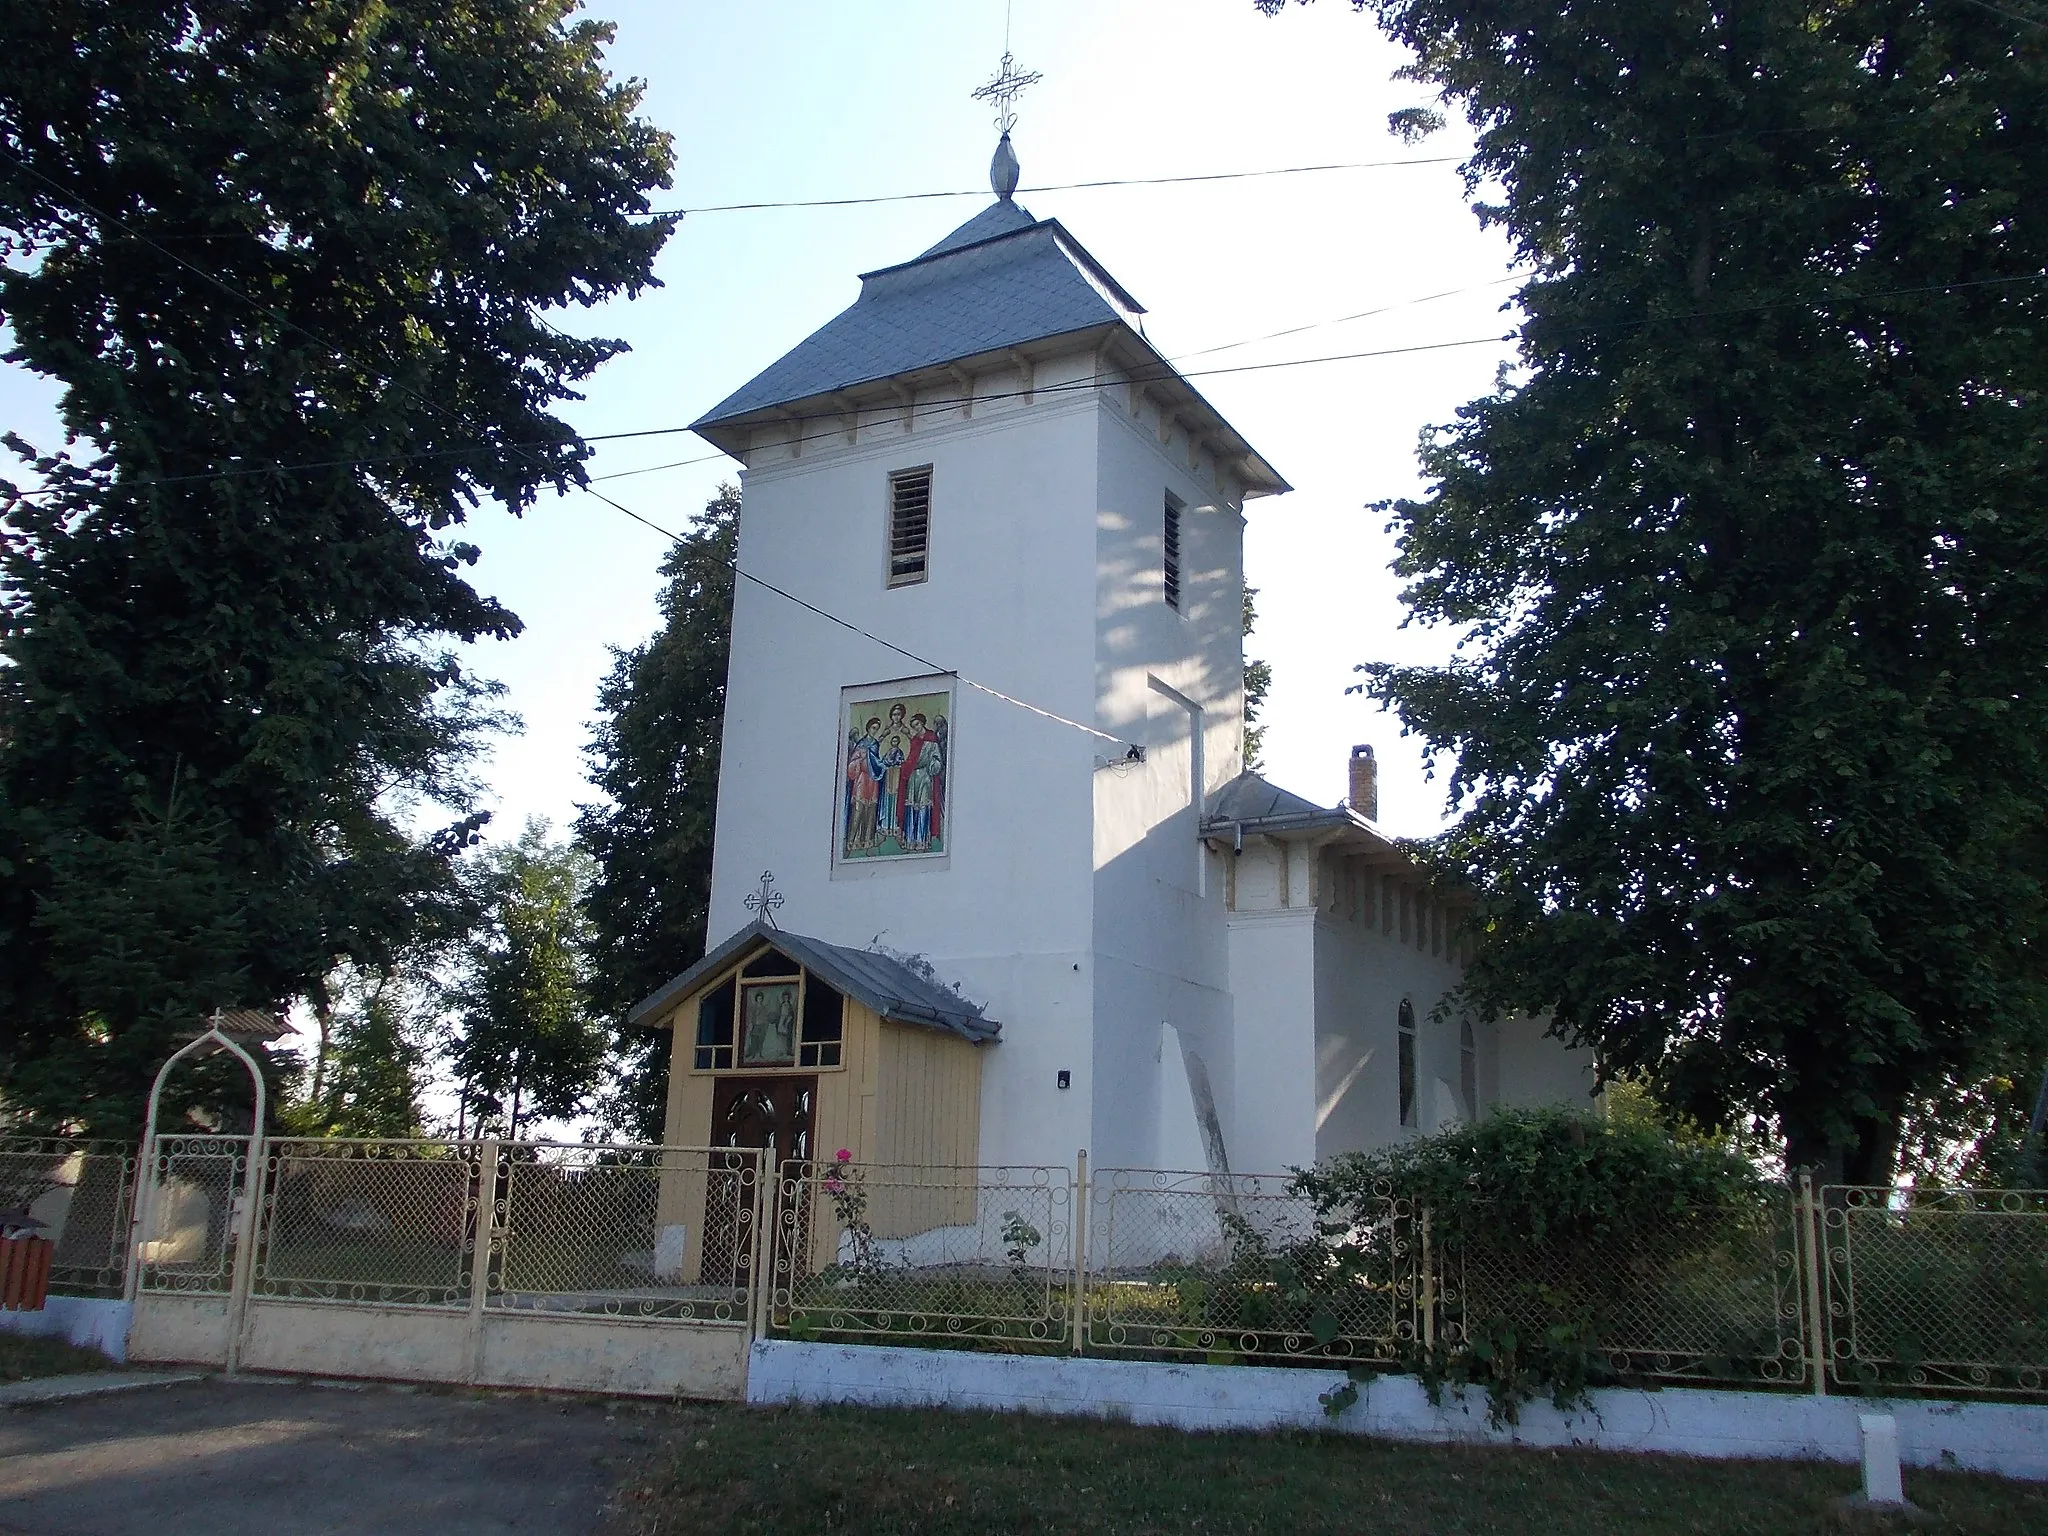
[192, 1214]
[1227, 1267]
[1702, 1295]
[83, 1192]
[901, 1253]
[380, 1222]
[1936, 1289]
[620, 1231]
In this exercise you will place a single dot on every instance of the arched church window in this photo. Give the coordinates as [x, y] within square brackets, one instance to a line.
[1468, 1069]
[1406, 1059]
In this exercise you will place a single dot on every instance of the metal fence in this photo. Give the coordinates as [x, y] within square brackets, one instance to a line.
[192, 1215]
[391, 1222]
[625, 1231]
[83, 1193]
[1706, 1296]
[1846, 1289]
[1223, 1266]
[913, 1253]
[1933, 1289]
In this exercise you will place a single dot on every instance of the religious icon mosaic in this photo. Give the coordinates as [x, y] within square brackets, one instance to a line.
[896, 763]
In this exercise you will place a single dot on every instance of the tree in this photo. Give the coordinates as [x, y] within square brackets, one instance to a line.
[654, 754]
[526, 1041]
[369, 1076]
[289, 262]
[1748, 553]
[1258, 682]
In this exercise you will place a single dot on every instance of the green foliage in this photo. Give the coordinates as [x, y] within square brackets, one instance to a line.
[526, 1042]
[1258, 682]
[1556, 1224]
[368, 1078]
[1533, 1178]
[289, 264]
[654, 755]
[1748, 551]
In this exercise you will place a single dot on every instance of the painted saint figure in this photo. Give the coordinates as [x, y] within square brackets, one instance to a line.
[892, 756]
[863, 786]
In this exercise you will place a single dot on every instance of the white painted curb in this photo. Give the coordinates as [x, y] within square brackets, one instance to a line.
[2010, 1439]
[83, 1320]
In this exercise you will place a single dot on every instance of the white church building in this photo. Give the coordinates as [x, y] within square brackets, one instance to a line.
[991, 880]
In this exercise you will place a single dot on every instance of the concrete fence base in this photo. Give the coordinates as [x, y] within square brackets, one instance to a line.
[2010, 1439]
[82, 1320]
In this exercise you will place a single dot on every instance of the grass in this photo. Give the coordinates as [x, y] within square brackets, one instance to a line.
[22, 1357]
[739, 1471]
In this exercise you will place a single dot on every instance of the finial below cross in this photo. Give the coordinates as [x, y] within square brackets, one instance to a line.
[1009, 82]
[766, 901]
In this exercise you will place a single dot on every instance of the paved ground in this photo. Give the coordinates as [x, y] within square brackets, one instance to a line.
[260, 1459]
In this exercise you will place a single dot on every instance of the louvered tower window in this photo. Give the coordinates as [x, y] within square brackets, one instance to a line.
[910, 525]
[1172, 564]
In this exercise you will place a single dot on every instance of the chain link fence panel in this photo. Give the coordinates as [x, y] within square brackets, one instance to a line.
[1707, 1296]
[389, 1222]
[627, 1231]
[192, 1209]
[1227, 1267]
[905, 1254]
[83, 1193]
[1936, 1289]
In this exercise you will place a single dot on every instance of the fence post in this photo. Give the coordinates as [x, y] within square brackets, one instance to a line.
[485, 1229]
[1080, 1224]
[242, 1275]
[1816, 1260]
[1427, 1290]
[139, 1213]
[761, 1266]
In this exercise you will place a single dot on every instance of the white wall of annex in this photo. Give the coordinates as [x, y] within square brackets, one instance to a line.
[1172, 681]
[1273, 971]
[1009, 602]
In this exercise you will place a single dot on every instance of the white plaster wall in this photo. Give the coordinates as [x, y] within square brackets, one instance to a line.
[1362, 974]
[1009, 602]
[88, 1321]
[2010, 1439]
[1172, 681]
[1273, 971]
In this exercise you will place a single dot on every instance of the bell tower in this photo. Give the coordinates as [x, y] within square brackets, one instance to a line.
[987, 666]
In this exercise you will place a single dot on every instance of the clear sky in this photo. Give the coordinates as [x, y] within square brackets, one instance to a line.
[801, 99]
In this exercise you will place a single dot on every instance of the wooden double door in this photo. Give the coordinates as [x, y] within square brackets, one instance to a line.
[771, 1113]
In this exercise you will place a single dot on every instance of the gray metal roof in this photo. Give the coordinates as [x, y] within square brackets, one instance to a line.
[1249, 803]
[1002, 279]
[892, 987]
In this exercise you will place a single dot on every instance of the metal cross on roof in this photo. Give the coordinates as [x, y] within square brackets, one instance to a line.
[1004, 89]
[766, 901]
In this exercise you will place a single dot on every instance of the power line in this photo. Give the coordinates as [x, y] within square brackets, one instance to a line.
[1051, 186]
[1999, 10]
[1131, 748]
[1148, 375]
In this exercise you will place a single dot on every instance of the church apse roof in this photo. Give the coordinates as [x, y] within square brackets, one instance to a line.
[898, 990]
[1001, 282]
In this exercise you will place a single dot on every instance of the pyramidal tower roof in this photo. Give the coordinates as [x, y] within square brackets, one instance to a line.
[1004, 282]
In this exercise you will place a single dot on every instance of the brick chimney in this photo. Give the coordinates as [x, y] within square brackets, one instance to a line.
[1365, 783]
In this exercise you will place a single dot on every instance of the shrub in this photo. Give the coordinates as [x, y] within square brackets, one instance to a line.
[1557, 1223]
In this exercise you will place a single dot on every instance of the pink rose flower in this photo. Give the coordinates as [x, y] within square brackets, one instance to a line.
[843, 1155]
